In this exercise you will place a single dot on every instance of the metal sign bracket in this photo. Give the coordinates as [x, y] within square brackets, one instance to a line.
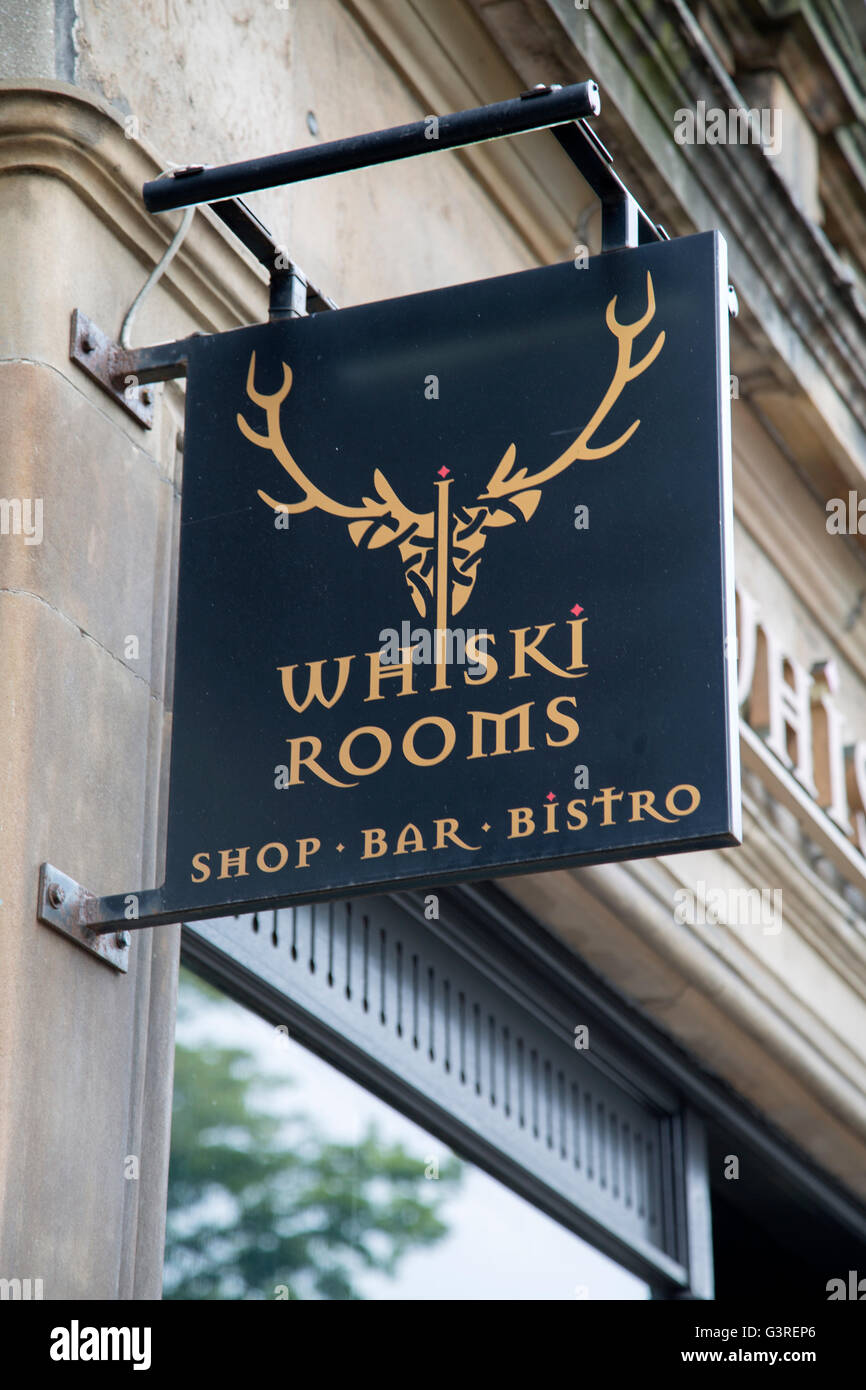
[102, 925]
[124, 373]
[547, 106]
[68, 908]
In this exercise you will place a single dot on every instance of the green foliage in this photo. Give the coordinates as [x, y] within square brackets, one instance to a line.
[260, 1201]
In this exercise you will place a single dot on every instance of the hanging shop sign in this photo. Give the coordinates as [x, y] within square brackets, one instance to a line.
[454, 586]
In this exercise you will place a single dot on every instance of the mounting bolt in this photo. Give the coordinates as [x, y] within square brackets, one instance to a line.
[146, 395]
[86, 343]
[121, 938]
[541, 89]
[56, 895]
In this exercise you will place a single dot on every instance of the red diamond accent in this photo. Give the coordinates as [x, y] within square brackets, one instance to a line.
[576, 610]
[550, 797]
[443, 471]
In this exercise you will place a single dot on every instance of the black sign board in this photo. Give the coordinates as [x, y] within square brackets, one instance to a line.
[454, 591]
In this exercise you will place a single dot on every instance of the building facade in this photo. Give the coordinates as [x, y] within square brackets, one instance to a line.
[726, 989]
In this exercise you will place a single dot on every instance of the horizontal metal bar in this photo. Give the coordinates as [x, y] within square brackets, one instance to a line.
[70, 908]
[595, 162]
[536, 110]
[154, 907]
[89, 346]
[162, 361]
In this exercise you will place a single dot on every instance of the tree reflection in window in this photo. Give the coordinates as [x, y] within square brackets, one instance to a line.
[261, 1203]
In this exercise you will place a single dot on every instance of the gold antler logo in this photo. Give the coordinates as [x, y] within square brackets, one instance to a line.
[441, 549]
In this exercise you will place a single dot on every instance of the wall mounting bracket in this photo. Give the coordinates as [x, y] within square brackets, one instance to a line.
[124, 373]
[69, 909]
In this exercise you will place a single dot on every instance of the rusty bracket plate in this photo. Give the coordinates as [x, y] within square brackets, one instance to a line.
[126, 374]
[112, 366]
[69, 908]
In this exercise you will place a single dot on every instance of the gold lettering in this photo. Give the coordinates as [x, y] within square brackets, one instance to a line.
[479, 656]
[375, 843]
[403, 839]
[347, 762]
[409, 751]
[575, 808]
[828, 744]
[523, 649]
[856, 784]
[404, 672]
[314, 687]
[262, 863]
[565, 721]
[522, 822]
[306, 848]
[780, 709]
[694, 799]
[446, 829]
[644, 801]
[608, 796]
[499, 722]
[443, 643]
[202, 863]
[229, 858]
[296, 762]
[576, 625]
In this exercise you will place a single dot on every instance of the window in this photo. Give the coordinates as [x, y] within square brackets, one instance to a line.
[289, 1180]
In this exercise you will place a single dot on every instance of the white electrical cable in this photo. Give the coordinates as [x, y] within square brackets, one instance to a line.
[158, 270]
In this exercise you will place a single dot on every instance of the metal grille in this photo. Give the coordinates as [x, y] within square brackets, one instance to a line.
[382, 994]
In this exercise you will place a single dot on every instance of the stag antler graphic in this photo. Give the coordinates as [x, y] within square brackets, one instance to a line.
[413, 530]
[513, 496]
[510, 495]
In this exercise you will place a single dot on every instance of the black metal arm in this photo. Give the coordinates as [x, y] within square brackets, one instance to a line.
[534, 110]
